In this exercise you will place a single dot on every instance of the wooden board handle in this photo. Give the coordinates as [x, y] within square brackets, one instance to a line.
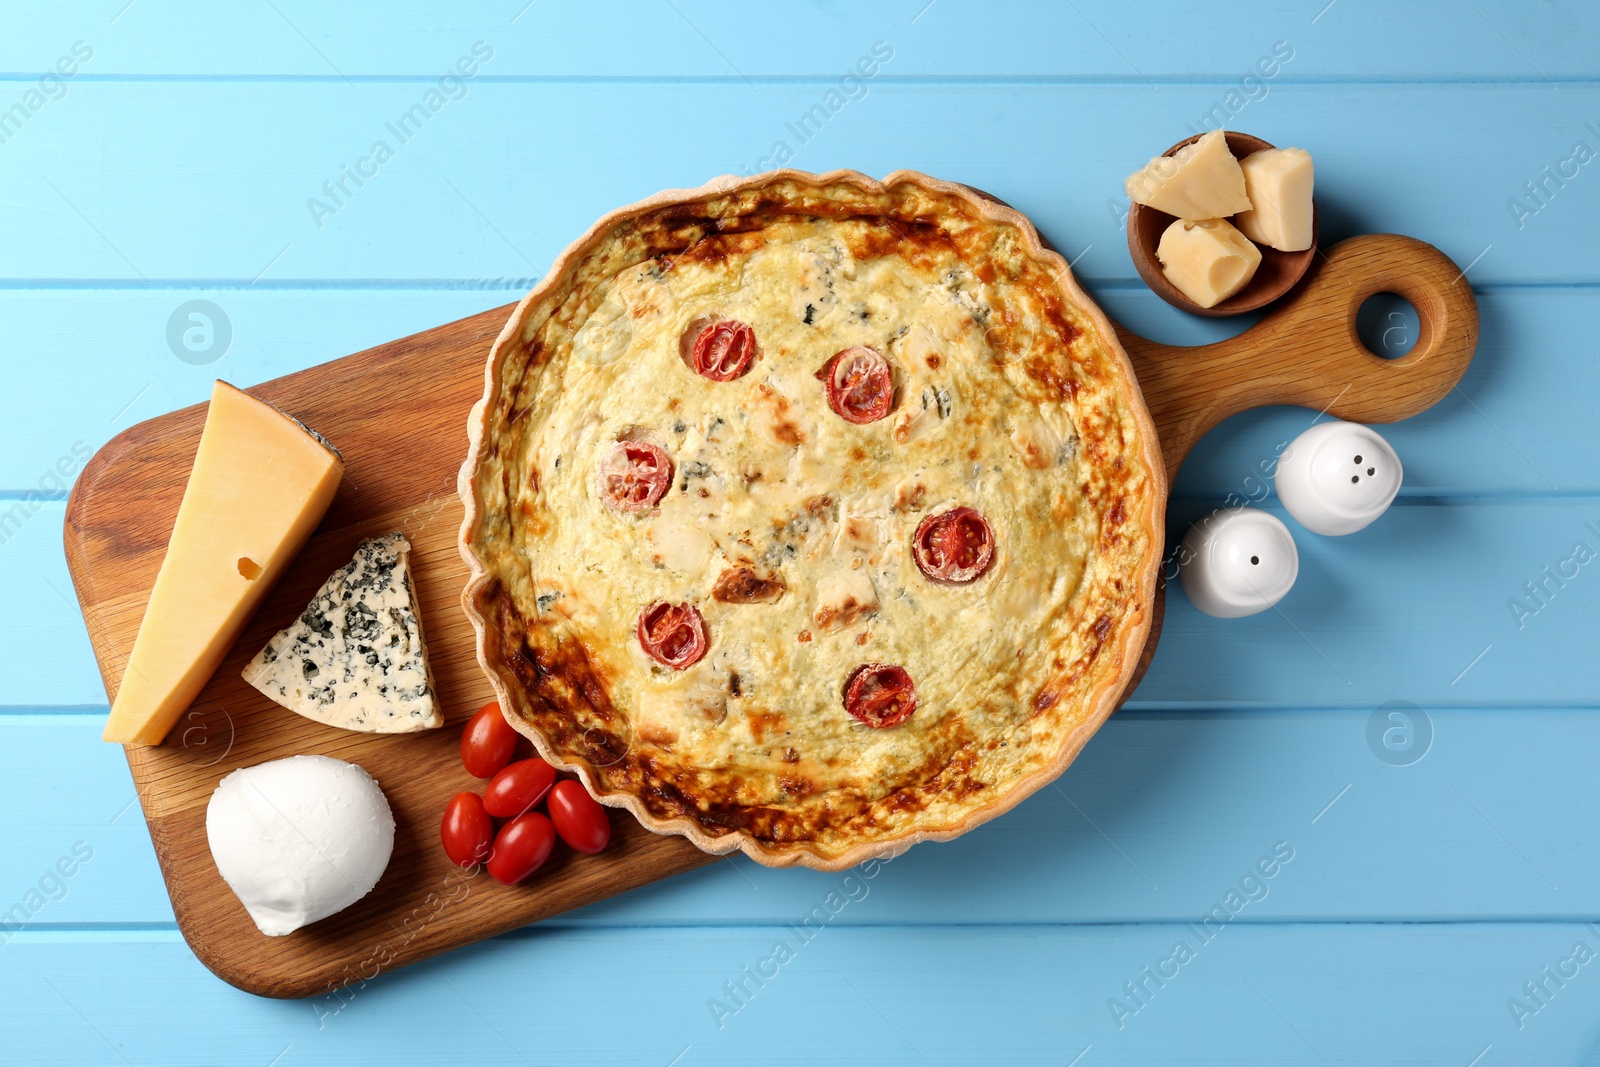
[1306, 350]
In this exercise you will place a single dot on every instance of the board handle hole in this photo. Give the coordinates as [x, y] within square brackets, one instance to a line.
[1387, 325]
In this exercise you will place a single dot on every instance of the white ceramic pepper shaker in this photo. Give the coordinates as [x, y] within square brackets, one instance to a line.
[1337, 477]
[1237, 562]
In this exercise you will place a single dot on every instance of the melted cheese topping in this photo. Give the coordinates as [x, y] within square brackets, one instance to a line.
[1003, 403]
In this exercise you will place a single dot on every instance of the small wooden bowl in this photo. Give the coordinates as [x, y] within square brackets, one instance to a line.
[1278, 273]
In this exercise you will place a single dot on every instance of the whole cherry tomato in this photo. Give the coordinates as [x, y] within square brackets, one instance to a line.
[580, 819]
[466, 830]
[521, 848]
[518, 788]
[488, 742]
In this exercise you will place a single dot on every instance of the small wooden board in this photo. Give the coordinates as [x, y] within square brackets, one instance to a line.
[398, 412]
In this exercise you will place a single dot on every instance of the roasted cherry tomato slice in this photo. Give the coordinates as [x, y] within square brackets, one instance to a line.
[635, 475]
[672, 634]
[859, 384]
[518, 788]
[580, 819]
[520, 848]
[466, 830]
[723, 350]
[954, 546]
[488, 742]
[880, 695]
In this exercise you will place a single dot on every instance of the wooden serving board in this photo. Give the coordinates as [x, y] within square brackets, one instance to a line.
[398, 412]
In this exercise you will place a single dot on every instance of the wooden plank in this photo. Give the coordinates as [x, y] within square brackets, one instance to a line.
[1313, 995]
[559, 38]
[1337, 640]
[55, 412]
[1150, 819]
[1493, 438]
[45, 657]
[1057, 152]
[81, 812]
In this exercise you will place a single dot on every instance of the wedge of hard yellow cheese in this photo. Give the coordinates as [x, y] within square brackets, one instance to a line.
[1278, 182]
[1208, 260]
[260, 484]
[1199, 181]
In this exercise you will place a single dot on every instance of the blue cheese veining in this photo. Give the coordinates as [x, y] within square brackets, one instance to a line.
[356, 658]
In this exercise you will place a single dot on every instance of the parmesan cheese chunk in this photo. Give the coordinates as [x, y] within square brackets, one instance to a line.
[1209, 261]
[1199, 181]
[1278, 181]
[260, 484]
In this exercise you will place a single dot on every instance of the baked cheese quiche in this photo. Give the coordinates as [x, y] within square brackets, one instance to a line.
[811, 515]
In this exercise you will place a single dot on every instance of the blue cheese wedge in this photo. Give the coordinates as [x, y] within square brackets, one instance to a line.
[356, 658]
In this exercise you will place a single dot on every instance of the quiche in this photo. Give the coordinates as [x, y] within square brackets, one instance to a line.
[810, 515]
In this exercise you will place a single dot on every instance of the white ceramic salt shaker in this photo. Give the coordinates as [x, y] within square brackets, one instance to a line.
[1237, 562]
[1337, 477]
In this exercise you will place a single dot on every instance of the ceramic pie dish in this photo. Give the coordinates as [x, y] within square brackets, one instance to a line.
[810, 515]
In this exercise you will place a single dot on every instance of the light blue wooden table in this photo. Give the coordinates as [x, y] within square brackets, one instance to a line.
[1436, 907]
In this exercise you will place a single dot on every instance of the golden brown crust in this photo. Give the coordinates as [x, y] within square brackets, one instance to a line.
[558, 686]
